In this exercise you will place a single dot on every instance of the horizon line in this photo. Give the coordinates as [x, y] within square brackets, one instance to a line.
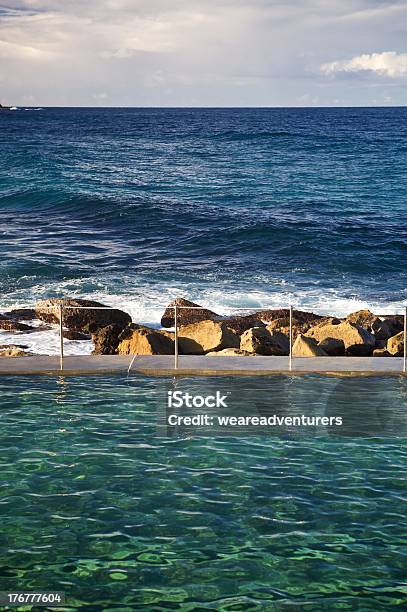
[209, 107]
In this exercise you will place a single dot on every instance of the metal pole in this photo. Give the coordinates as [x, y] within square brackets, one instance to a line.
[405, 341]
[61, 338]
[291, 338]
[176, 337]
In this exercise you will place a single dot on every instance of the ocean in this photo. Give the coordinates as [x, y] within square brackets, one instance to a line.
[228, 207]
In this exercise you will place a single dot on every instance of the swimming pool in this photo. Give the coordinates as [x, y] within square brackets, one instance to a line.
[100, 500]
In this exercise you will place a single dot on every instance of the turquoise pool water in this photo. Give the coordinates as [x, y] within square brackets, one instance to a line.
[97, 501]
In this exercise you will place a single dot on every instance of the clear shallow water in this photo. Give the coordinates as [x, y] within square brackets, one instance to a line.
[95, 500]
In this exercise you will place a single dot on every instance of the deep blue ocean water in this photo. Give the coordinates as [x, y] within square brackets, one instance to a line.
[231, 207]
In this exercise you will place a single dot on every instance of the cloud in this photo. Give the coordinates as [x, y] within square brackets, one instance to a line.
[195, 52]
[388, 63]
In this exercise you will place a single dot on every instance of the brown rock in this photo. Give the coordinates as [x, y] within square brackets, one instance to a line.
[284, 313]
[259, 340]
[144, 341]
[21, 314]
[230, 352]
[307, 347]
[205, 336]
[13, 351]
[333, 347]
[106, 340]
[12, 346]
[283, 325]
[71, 334]
[15, 326]
[81, 320]
[395, 345]
[364, 318]
[357, 340]
[386, 328]
[186, 315]
[240, 323]
[382, 352]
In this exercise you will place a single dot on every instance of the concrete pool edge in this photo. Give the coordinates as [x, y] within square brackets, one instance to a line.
[197, 365]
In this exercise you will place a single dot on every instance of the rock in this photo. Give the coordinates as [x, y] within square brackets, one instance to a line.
[382, 328]
[240, 323]
[301, 316]
[144, 341]
[364, 318]
[107, 339]
[15, 326]
[230, 352]
[13, 346]
[332, 347]
[386, 328]
[283, 325]
[205, 336]
[357, 340]
[328, 321]
[186, 315]
[78, 319]
[13, 351]
[395, 345]
[307, 347]
[21, 314]
[259, 340]
[382, 352]
[71, 334]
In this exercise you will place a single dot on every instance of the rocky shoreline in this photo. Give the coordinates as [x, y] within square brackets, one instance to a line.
[204, 332]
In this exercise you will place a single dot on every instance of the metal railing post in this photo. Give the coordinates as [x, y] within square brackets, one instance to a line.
[61, 338]
[176, 337]
[405, 341]
[291, 338]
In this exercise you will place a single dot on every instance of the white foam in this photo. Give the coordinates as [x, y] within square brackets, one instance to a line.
[147, 306]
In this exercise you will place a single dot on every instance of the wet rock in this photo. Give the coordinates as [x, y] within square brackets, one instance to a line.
[14, 326]
[12, 346]
[307, 347]
[259, 340]
[144, 341]
[80, 320]
[186, 315]
[205, 336]
[395, 345]
[21, 314]
[357, 340]
[71, 334]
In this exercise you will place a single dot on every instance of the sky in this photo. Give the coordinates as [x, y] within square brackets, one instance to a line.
[203, 52]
